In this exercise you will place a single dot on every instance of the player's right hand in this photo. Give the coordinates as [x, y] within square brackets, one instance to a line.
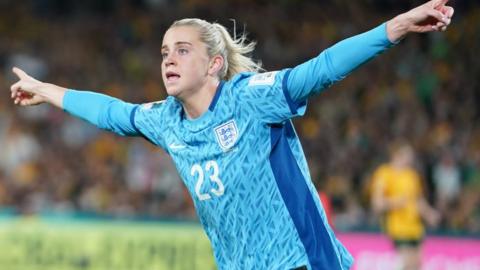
[27, 91]
[433, 218]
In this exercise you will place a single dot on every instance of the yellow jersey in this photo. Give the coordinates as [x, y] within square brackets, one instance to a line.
[404, 222]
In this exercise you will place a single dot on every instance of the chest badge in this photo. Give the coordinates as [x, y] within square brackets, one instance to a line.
[226, 134]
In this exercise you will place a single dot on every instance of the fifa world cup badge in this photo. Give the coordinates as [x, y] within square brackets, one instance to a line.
[226, 135]
[267, 78]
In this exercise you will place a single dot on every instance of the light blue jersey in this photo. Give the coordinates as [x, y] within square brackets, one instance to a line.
[242, 161]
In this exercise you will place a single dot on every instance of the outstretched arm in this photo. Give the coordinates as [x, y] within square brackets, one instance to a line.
[336, 62]
[29, 91]
[101, 110]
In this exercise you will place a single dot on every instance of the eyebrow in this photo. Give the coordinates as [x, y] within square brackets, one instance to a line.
[178, 43]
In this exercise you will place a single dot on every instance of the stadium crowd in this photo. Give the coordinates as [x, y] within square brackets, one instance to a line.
[424, 91]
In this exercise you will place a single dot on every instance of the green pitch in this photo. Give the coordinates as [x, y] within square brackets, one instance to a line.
[68, 245]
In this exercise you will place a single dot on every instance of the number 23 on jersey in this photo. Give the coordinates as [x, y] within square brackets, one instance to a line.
[212, 171]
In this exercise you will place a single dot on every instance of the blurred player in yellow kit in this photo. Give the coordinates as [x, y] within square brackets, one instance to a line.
[397, 195]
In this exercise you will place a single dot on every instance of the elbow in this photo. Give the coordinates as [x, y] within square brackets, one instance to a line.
[333, 75]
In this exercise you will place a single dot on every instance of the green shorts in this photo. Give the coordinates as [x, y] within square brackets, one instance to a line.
[399, 243]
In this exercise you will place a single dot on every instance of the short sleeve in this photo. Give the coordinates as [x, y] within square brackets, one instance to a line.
[267, 97]
[380, 178]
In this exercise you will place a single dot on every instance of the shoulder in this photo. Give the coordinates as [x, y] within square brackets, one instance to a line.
[250, 79]
[152, 105]
[168, 104]
[383, 168]
[152, 119]
[383, 172]
[158, 111]
[251, 82]
[239, 80]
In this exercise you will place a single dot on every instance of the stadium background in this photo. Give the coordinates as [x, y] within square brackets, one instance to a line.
[65, 185]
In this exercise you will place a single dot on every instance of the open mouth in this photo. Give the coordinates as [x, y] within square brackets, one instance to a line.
[172, 76]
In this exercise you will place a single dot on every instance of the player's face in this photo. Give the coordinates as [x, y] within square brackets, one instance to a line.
[184, 61]
[405, 156]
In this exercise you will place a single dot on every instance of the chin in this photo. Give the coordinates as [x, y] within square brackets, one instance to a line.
[173, 91]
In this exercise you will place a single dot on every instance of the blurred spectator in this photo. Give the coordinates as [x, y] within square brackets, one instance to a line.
[446, 177]
[20, 151]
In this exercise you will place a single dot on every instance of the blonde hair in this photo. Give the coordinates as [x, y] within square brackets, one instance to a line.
[234, 50]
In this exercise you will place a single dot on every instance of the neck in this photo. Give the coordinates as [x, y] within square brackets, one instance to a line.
[198, 102]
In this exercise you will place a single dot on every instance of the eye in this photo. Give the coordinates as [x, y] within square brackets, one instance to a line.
[164, 55]
[182, 51]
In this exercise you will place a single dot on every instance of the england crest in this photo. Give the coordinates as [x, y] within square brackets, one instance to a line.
[226, 134]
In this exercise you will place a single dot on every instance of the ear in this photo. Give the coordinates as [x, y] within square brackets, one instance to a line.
[215, 65]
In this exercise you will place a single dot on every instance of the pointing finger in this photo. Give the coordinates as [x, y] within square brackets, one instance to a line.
[20, 73]
[438, 3]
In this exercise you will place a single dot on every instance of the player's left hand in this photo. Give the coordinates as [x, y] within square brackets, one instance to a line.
[431, 16]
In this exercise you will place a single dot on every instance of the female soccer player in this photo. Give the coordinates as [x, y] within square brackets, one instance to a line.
[398, 197]
[228, 130]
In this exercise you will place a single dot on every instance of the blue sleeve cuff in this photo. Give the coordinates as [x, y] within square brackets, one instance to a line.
[382, 34]
[66, 99]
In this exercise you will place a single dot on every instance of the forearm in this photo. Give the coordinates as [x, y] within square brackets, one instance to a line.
[378, 205]
[101, 110]
[336, 62]
[52, 94]
[85, 105]
[351, 53]
[379, 201]
[429, 214]
[397, 28]
[383, 205]
[424, 207]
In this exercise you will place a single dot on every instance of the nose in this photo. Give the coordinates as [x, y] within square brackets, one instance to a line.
[169, 60]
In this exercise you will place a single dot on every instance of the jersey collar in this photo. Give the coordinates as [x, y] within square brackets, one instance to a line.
[216, 96]
[204, 120]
